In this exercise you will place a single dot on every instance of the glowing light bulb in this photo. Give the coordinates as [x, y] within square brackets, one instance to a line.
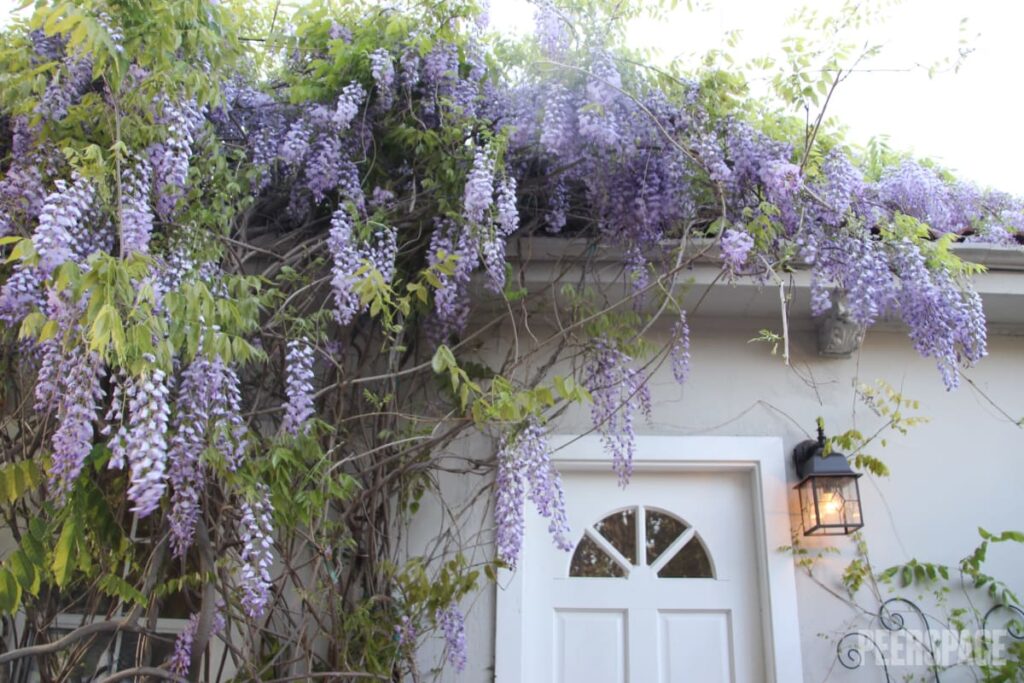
[831, 504]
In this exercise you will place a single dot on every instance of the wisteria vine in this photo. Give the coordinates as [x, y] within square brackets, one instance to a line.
[374, 174]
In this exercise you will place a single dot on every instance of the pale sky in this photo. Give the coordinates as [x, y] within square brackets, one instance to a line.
[969, 121]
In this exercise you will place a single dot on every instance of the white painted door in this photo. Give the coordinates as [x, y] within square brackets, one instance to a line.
[662, 586]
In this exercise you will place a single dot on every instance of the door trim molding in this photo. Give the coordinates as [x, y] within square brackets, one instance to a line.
[764, 458]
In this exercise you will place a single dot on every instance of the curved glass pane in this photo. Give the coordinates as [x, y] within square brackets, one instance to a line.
[620, 530]
[691, 562]
[661, 530]
[590, 560]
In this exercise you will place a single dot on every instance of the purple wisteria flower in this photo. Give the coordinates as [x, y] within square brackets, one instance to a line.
[170, 159]
[525, 469]
[61, 222]
[617, 390]
[208, 413]
[680, 350]
[181, 659]
[298, 386]
[405, 632]
[136, 214]
[453, 625]
[296, 143]
[479, 192]
[255, 529]
[736, 246]
[81, 393]
[349, 258]
[141, 407]
[451, 298]
[552, 29]
[347, 106]
[345, 266]
[383, 71]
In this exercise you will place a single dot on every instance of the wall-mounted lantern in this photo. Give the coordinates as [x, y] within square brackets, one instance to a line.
[829, 494]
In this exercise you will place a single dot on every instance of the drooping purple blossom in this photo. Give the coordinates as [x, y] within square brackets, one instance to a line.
[525, 469]
[298, 386]
[405, 632]
[60, 223]
[22, 292]
[255, 530]
[81, 393]
[478, 196]
[558, 134]
[552, 30]
[345, 265]
[349, 258]
[598, 116]
[141, 409]
[494, 238]
[181, 659]
[347, 106]
[63, 91]
[617, 390]
[917, 191]
[383, 71]
[296, 143]
[382, 199]
[842, 189]
[208, 414]
[736, 245]
[451, 298]
[558, 208]
[170, 159]
[946, 324]
[136, 214]
[679, 352]
[453, 626]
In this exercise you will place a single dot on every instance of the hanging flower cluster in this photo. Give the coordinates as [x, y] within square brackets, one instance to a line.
[180, 660]
[525, 469]
[453, 626]
[142, 407]
[299, 386]
[208, 414]
[255, 530]
[349, 257]
[617, 389]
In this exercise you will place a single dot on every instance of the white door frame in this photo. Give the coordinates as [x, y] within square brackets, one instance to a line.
[764, 458]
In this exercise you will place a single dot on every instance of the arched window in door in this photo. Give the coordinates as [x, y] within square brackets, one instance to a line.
[641, 536]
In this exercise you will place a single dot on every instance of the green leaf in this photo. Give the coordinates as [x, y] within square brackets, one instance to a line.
[24, 571]
[117, 587]
[64, 553]
[439, 362]
[10, 592]
[18, 478]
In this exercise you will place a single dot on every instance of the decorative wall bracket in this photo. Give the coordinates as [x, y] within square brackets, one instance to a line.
[851, 647]
[839, 336]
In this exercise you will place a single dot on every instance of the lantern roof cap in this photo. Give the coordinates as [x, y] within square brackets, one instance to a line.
[811, 461]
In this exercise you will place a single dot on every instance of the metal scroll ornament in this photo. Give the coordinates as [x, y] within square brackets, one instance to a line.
[852, 647]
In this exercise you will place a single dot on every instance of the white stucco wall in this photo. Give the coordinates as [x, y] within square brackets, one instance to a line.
[962, 470]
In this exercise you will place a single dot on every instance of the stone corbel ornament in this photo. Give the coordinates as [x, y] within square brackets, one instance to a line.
[838, 335]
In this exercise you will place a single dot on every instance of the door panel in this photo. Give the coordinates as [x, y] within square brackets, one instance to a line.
[591, 645]
[614, 610]
[695, 646]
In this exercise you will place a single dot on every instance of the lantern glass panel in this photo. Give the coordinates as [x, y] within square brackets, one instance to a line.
[830, 505]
